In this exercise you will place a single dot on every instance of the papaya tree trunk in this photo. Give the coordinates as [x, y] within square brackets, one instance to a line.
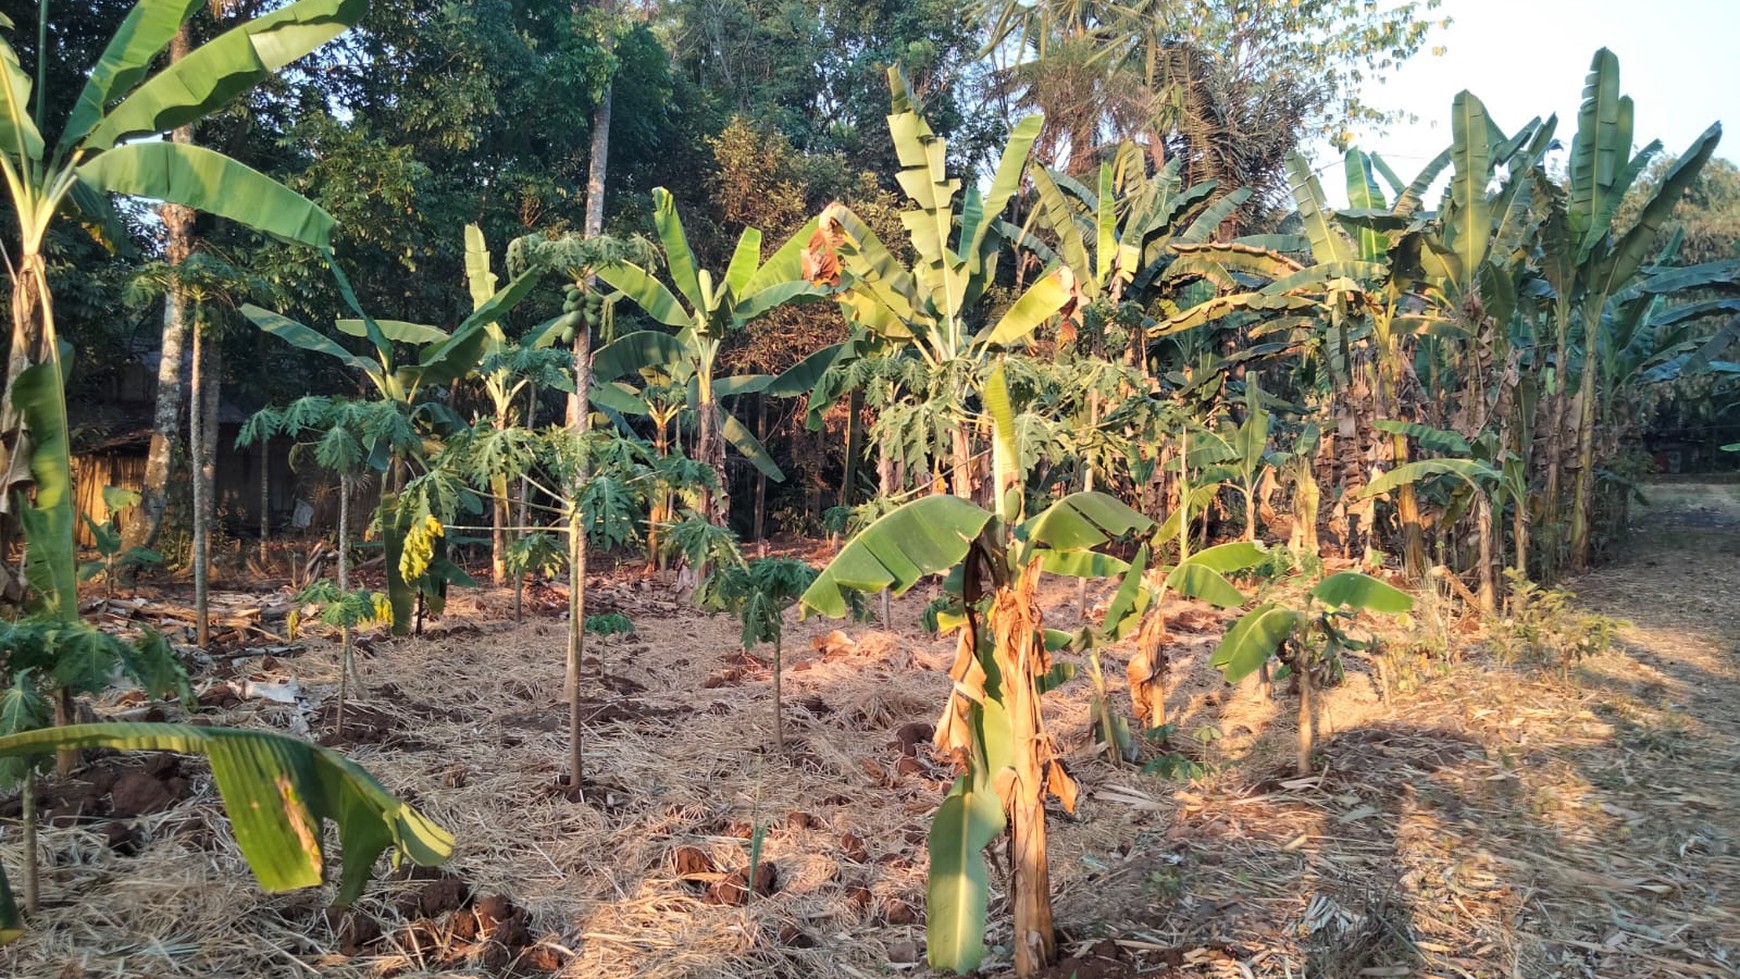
[1307, 715]
[265, 501]
[211, 430]
[344, 653]
[580, 419]
[778, 702]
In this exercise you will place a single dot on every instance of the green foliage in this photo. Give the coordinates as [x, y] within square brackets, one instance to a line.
[758, 592]
[1545, 629]
[116, 557]
[537, 552]
[357, 607]
[609, 624]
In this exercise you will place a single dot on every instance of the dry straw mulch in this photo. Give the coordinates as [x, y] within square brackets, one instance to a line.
[1484, 820]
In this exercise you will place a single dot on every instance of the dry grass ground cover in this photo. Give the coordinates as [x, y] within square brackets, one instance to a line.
[1483, 819]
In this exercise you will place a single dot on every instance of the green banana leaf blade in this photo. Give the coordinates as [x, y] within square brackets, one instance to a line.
[920, 538]
[277, 791]
[958, 892]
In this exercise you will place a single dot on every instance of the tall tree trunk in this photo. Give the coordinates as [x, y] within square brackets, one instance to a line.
[197, 435]
[580, 419]
[854, 445]
[166, 420]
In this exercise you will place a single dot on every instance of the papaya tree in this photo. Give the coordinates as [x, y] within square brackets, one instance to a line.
[1308, 636]
[104, 148]
[993, 724]
[758, 591]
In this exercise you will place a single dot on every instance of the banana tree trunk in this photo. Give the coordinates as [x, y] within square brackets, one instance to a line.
[33, 340]
[1015, 622]
[1582, 502]
[710, 452]
[1488, 583]
[580, 419]
[166, 420]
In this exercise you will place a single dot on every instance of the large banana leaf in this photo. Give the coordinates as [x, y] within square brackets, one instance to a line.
[1471, 470]
[1469, 232]
[917, 539]
[679, 259]
[304, 337]
[17, 129]
[146, 31]
[1327, 242]
[397, 331]
[1039, 303]
[209, 181]
[647, 292]
[1202, 574]
[634, 352]
[1599, 150]
[958, 890]
[50, 564]
[224, 68]
[745, 442]
[1629, 253]
[1082, 521]
[1253, 639]
[277, 791]
[1350, 589]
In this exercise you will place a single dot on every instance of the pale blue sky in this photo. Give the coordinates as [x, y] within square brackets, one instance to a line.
[1679, 60]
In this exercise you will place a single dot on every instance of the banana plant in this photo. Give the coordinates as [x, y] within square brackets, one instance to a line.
[507, 370]
[116, 557]
[1486, 480]
[934, 310]
[103, 149]
[1116, 235]
[1308, 635]
[1202, 576]
[1588, 261]
[278, 791]
[715, 310]
[993, 723]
